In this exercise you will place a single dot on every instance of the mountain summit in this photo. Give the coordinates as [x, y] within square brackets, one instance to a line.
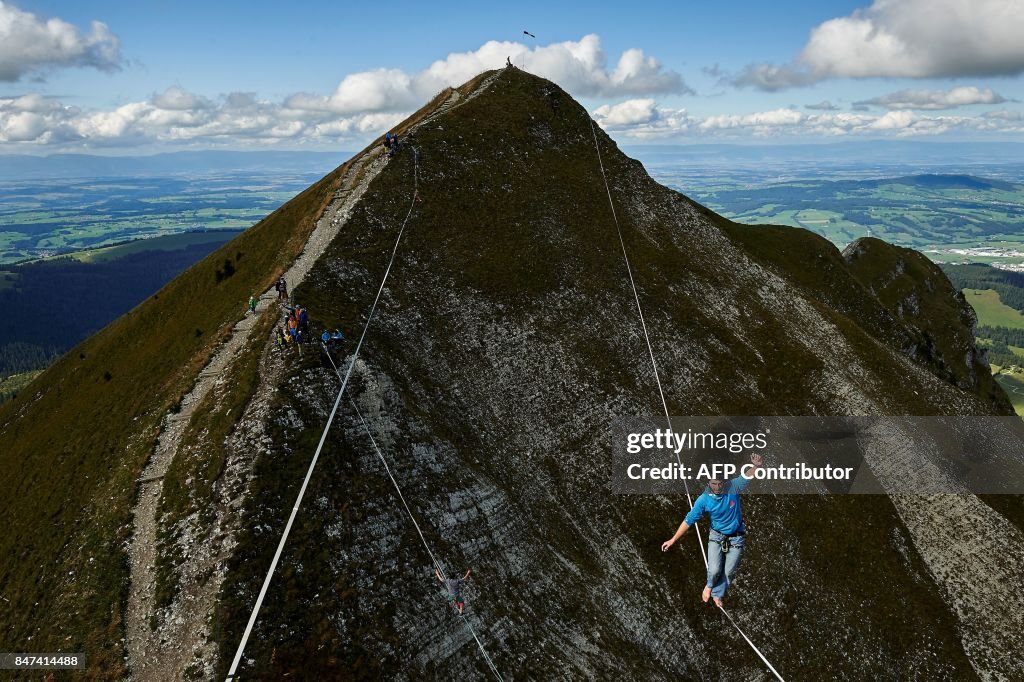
[155, 466]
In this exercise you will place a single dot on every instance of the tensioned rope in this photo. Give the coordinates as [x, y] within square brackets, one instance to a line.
[437, 564]
[657, 379]
[323, 437]
[643, 324]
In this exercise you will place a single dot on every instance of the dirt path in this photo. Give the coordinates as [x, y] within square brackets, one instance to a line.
[163, 654]
[181, 642]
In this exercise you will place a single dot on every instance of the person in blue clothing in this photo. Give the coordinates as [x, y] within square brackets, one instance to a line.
[725, 541]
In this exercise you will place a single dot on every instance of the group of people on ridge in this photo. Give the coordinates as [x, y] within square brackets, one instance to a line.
[392, 143]
[295, 329]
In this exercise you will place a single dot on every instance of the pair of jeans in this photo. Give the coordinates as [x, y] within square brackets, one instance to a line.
[722, 567]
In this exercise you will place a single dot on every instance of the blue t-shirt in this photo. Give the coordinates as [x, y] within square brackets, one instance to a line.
[724, 509]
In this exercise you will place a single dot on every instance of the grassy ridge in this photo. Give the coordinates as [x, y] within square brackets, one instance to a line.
[520, 233]
[188, 484]
[73, 443]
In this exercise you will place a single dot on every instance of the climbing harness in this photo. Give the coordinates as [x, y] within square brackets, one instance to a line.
[724, 545]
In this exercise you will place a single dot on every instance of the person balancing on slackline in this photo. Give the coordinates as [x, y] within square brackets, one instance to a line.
[725, 542]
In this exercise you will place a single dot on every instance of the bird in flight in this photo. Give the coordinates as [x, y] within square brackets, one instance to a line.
[529, 34]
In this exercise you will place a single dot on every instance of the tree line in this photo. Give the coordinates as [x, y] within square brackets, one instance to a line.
[1009, 285]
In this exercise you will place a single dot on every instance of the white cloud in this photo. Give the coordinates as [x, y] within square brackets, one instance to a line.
[894, 120]
[30, 102]
[176, 98]
[642, 119]
[578, 66]
[645, 120]
[1005, 115]
[935, 99]
[30, 44]
[180, 117]
[627, 113]
[758, 122]
[906, 39]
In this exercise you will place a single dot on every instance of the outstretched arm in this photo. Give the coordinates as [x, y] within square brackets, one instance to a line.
[738, 485]
[683, 527]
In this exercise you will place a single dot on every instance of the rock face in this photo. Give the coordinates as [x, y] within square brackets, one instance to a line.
[941, 320]
[506, 340]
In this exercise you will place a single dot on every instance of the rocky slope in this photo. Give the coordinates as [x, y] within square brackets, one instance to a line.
[505, 343]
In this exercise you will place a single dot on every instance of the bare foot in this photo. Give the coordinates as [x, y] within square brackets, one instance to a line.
[718, 602]
[706, 594]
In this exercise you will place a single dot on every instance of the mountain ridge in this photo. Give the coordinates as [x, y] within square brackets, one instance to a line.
[506, 340]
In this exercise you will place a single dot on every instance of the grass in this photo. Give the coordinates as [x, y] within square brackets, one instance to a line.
[517, 237]
[188, 484]
[1012, 381]
[9, 386]
[90, 215]
[991, 311]
[909, 213]
[508, 261]
[74, 441]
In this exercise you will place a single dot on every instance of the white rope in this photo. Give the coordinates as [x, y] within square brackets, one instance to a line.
[323, 438]
[657, 379]
[643, 324]
[752, 646]
[433, 558]
[437, 564]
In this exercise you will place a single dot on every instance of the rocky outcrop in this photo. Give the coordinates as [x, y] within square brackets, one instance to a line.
[506, 341]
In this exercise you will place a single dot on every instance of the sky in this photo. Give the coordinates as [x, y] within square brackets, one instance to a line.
[125, 78]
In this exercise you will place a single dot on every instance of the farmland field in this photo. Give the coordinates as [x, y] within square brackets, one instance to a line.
[954, 204]
[47, 217]
[991, 311]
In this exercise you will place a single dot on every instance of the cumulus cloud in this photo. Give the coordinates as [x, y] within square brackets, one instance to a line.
[1004, 115]
[580, 67]
[758, 123]
[30, 44]
[179, 117]
[935, 99]
[645, 120]
[627, 113]
[906, 39]
[176, 98]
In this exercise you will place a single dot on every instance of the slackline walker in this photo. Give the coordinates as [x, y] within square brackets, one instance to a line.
[657, 379]
[323, 437]
[437, 564]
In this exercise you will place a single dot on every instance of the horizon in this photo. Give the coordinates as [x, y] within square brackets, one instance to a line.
[99, 77]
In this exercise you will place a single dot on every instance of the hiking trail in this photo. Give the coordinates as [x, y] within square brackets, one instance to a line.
[181, 639]
[164, 653]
